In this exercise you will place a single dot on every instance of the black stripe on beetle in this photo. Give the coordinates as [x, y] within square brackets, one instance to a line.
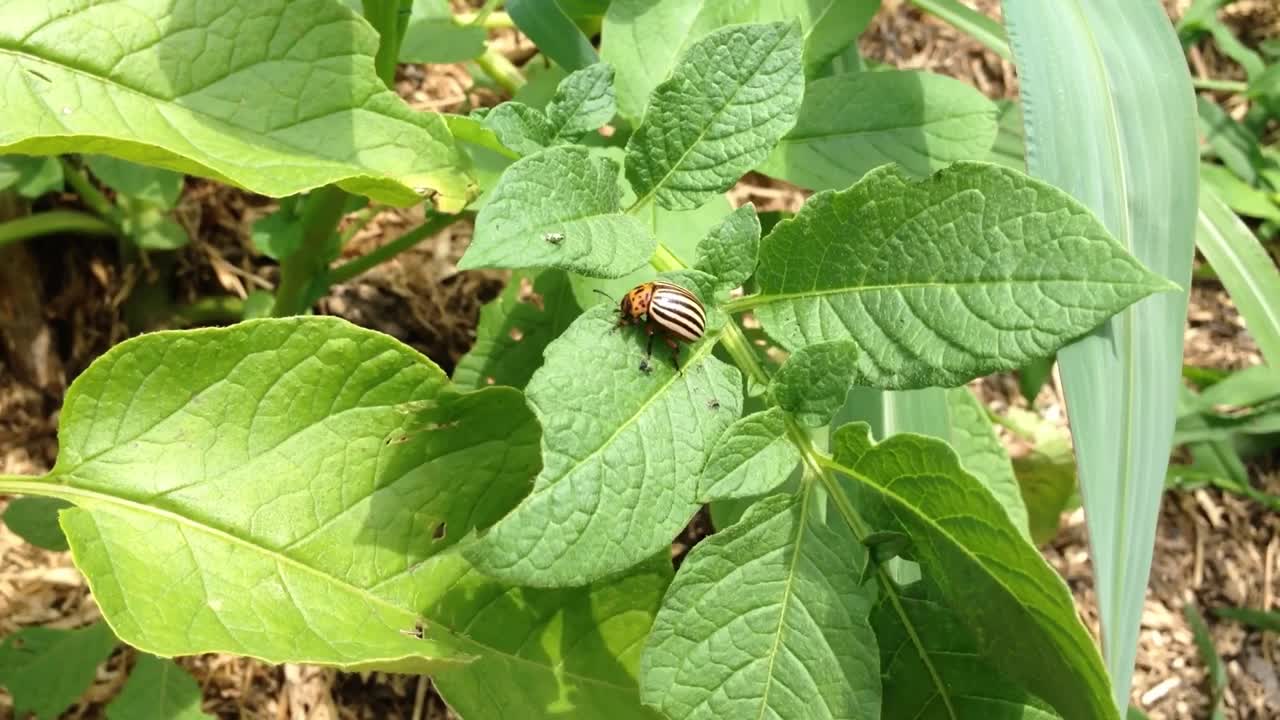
[665, 309]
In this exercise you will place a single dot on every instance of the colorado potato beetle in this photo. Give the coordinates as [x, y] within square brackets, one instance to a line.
[666, 309]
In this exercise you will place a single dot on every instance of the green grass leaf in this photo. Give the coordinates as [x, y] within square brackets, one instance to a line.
[567, 192]
[974, 270]
[35, 519]
[730, 250]
[766, 619]
[981, 453]
[982, 28]
[752, 457]
[622, 450]
[733, 95]
[813, 382]
[277, 482]
[943, 677]
[1017, 607]
[583, 102]
[161, 85]
[1246, 270]
[515, 329]
[1209, 656]
[1243, 388]
[1236, 193]
[46, 670]
[1268, 620]
[1107, 100]
[157, 688]
[547, 25]
[1232, 142]
[854, 122]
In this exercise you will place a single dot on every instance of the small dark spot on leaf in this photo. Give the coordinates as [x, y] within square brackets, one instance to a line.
[40, 75]
[438, 533]
[713, 404]
[516, 334]
[419, 630]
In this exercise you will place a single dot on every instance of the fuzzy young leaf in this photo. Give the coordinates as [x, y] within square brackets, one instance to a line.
[564, 192]
[583, 103]
[931, 667]
[813, 382]
[157, 688]
[752, 457]
[621, 451]
[1017, 607]
[735, 93]
[164, 445]
[35, 519]
[766, 619]
[160, 188]
[854, 122]
[519, 127]
[976, 269]
[730, 250]
[983, 455]
[645, 38]
[46, 670]
[515, 329]
[182, 96]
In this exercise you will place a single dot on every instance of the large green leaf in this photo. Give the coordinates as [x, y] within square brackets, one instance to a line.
[931, 667]
[1246, 270]
[767, 618]
[559, 208]
[976, 269]
[46, 670]
[278, 97]
[645, 38]
[982, 454]
[622, 450]
[734, 94]
[1110, 119]
[1018, 609]
[157, 689]
[854, 122]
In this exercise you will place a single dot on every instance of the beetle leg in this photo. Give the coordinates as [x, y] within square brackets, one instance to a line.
[675, 352]
[648, 351]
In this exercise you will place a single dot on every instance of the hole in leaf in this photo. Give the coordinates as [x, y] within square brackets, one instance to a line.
[516, 334]
[438, 533]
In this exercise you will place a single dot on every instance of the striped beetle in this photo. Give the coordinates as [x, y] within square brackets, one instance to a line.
[667, 309]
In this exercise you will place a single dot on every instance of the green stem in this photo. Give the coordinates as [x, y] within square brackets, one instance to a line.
[53, 222]
[491, 21]
[25, 485]
[1231, 86]
[389, 18]
[323, 211]
[742, 304]
[89, 195]
[499, 68]
[209, 311]
[434, 224]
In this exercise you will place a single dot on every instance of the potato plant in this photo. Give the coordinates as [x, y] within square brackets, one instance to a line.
[298, 489]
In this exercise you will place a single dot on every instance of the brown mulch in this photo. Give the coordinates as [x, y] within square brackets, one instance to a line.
[1212, 548]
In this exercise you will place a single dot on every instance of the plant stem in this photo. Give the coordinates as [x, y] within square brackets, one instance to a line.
[499, 68]
[209, 311]
[319, 218]
[742, 304]
[53, 222]
[492, 21]
[89, 195]
[389, 18]
[1231, 86]
[434, 224]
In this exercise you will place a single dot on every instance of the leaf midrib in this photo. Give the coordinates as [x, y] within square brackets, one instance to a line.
[801, 138]
[764, 298]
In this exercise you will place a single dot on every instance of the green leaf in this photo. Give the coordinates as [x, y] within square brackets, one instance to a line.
[983, 455]
[852, 123]
[622, 450]
[1243, 388]
[565, 191]
[161, 85]
[515, 329]
[1112, 77]
[1033, 376]
[584, 101]
[1010, 147]
[279, 234]
[277, 482]
[931, 667]
[729, 251]
[734, 94]
[552, 653]
[46, 670]
[553, 32]
[813, 382]
[434, 36]
[1268, 620]
[1246, 270]
[150, 227]
[1209, 656]
[974, 270]
[1019, 610]
[158, 689]
[35, 519]
[157, 187]
[30, 177]
[644, 39]
[766, 619]
[520, 127]
[752, 457]
[972, 22]
[1236, 193]
[1232, 142]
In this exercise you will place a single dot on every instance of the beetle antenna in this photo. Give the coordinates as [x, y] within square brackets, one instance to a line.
[605, 294]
